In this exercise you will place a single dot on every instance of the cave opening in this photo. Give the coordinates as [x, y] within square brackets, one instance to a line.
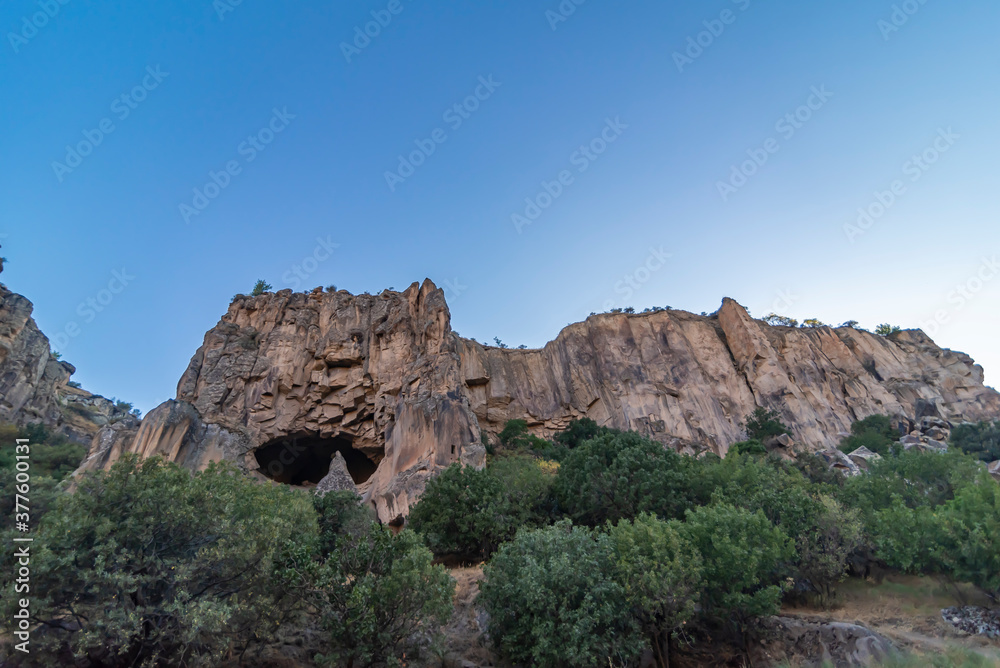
[304, 459]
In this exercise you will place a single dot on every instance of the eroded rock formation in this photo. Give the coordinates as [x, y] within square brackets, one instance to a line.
[34, 384]
[286, 382]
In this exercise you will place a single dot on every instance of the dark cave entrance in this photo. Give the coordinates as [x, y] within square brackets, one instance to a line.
[304, 459]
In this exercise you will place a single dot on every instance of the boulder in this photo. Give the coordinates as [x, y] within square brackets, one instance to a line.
[818, 643]
[840, 462]
[937, 434]
[863, 457]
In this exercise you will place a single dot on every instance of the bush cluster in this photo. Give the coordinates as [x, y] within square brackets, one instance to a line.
[629, 544]
[150, 565]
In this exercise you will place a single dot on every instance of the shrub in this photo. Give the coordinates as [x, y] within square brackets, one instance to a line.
[823, 550]
[886, 329]
[751, 447]
[981, 440]
[578, 431]
[375, 599]
[619, 475]
[917, 479]
[516, 437]
[969, 533]
[341, 519]
[905, 538]
[147, 563]
[817, 471]
[781, 493]
[741, 553]
[260, 287]
[469, 513]
[876, 433]
[52, 456]
[553, 600]
[763, 424]
[661, 574]
[776, 320]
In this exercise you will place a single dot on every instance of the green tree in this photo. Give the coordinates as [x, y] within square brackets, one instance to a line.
[469, 513]
[578, 431]
[876, 433]
[968, 527]
[148, 564]
[763, 424]
[661, 574]
[776, 320]
[619, 475]
[981, 440]
[375, 598]
[886, 329]
[823, 550]
[917, 479]
[741, 555]
[260, 287]
[554, 600]
[515, 437]
[342, 520]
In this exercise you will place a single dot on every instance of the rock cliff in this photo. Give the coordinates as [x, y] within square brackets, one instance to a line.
[287, 383]
[34, 385]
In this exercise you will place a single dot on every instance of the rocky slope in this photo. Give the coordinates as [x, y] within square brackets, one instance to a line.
[286, 381]
[34, 384]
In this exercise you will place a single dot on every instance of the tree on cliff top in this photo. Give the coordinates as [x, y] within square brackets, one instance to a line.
[260, 287]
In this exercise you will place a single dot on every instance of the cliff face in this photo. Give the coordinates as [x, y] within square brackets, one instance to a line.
[287, 381]
[33, 383]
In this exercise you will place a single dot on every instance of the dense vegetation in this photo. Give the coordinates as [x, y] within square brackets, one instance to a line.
[599, 545]
[635, 544]
[149, 565]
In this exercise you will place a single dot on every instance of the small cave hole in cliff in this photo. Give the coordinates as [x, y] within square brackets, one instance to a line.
[305, 459]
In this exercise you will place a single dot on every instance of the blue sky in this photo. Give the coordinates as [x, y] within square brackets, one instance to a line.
[597, 157]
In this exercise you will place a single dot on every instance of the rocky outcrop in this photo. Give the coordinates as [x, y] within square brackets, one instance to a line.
[822, 643]
[34, 385]
[286, 381]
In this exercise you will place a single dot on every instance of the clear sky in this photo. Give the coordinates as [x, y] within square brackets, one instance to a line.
[597, 157]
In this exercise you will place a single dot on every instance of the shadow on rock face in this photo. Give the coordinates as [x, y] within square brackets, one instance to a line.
[303, 459]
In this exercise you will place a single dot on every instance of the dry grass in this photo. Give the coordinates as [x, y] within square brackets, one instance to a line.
[907, 610]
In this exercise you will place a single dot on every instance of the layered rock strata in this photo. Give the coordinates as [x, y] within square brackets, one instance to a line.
[286, 382]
